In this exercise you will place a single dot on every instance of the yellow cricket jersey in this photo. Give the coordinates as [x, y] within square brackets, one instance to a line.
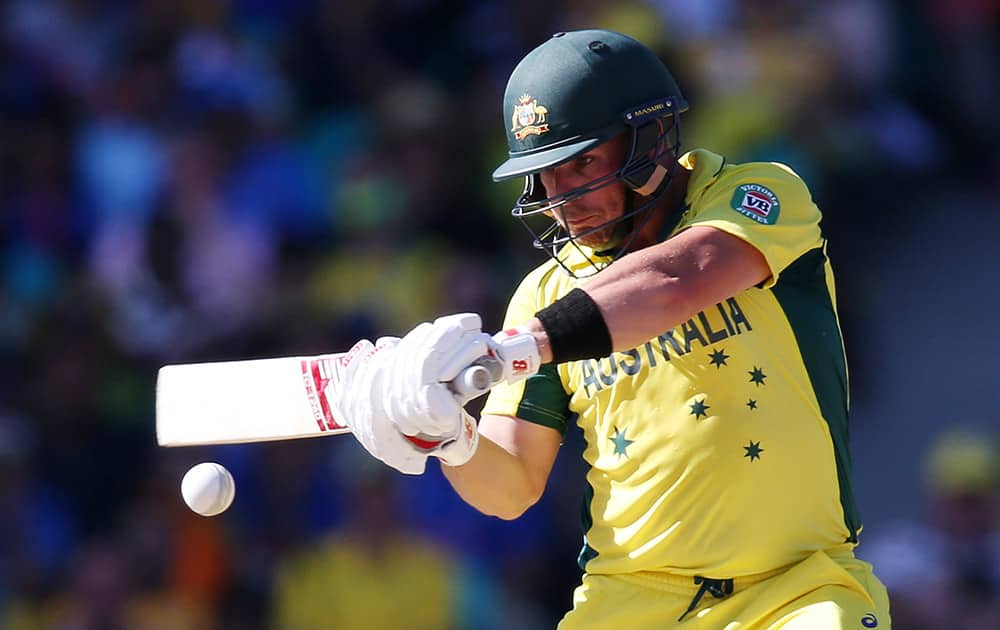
[718, 448]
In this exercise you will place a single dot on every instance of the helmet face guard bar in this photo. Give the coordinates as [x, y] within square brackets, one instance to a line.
[642, 171]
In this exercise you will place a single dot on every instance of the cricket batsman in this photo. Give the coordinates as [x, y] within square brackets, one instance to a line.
[687, 323]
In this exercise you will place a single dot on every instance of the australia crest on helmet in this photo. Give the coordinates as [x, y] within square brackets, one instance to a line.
[528, 118]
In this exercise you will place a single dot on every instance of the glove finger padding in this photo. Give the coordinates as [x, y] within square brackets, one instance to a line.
[460, 342]
[417, 400]
[357, 396]
[439, 413]
[386, 342]
[400, 383]
[431, 347]
[429, 411]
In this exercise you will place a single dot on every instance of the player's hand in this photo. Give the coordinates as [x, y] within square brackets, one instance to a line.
[407, 381]
[359, 397]
[417, 395]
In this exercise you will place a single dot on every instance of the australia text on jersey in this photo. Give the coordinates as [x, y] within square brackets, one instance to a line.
[707, 327]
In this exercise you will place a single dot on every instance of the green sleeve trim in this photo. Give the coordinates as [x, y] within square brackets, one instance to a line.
[545, 401]
[537, 415]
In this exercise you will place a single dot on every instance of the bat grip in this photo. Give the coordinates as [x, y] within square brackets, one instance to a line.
[477, 379]
[471, 382]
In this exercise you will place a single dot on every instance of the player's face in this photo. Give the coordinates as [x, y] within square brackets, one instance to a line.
[597, 207]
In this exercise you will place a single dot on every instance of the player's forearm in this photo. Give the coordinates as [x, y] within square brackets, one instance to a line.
[495, 482]
[650, 291]
[642, 300]
[634, 308]
[634, 311]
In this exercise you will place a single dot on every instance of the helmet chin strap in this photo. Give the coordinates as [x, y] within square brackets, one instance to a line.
[654, 182]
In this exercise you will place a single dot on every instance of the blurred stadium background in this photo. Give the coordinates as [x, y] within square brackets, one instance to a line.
[186, 180]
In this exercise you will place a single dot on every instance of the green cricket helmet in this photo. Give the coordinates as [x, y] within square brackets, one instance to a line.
[574, 92]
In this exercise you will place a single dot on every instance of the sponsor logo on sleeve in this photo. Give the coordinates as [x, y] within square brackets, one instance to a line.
[756, 202]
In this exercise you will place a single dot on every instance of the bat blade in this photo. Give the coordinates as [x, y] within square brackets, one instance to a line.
[231, 402]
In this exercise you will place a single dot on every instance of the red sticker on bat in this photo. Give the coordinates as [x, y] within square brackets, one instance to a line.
[316, 375]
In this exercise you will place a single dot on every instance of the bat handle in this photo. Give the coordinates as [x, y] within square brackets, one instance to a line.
[477, 379]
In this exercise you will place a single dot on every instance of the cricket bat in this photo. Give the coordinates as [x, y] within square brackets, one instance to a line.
[259, 400]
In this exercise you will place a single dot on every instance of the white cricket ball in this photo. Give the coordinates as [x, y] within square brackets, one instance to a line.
[208, 488]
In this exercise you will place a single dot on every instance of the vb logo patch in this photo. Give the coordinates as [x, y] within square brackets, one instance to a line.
[756, 202]
[869, 621]
[528, 118]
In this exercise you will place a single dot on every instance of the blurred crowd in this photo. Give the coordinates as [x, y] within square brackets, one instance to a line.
[193, 180]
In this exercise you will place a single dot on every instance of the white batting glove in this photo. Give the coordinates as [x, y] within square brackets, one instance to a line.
[405, 383]
[358, 397]
[456, 449]
[517, 353]
[512, 355]
[418, 398]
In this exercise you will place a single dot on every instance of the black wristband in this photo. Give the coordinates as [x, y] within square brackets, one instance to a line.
[575, 328]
